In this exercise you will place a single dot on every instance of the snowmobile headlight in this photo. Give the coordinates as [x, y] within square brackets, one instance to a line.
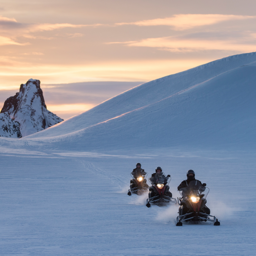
[195, 199]
[140, 178]
[160, 186]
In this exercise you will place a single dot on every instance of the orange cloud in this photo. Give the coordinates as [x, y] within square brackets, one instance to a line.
[189, 45]
[137, 70]
[4, 19]
[49, 27]
[8, 41]
[26, 29]
[188, 21]
[33, 53]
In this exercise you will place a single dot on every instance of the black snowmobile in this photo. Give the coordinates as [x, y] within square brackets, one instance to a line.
[138, 185]
[193, 205]
[159, 193]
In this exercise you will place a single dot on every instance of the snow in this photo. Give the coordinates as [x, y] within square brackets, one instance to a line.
[63, 191]
[8, 127]
[53, 205]
[204, 107]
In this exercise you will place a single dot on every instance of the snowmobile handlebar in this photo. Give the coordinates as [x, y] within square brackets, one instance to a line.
[201, 191]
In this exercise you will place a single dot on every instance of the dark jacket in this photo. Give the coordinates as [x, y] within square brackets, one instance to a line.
[155, 177]
[138, 171]
[186, 182]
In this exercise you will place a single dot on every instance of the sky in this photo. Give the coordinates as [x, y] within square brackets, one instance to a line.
[86, 51]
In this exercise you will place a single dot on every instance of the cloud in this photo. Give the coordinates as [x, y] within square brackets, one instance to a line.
[4, 20]
[188, 21]
[10, 23]
[7, 22]
[126, 70]
[12, 31]
[189, 45]
[8, 41]
[49, 27]
[74, 35]
[178, 22]
[33, 53]
[26, 30]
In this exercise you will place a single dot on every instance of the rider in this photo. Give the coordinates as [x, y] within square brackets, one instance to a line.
[157, 174]
[136, 173]
[185, 183]
[154, 178]
[190, 177]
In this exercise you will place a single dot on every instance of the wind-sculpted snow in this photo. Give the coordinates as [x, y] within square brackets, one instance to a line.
[210, 106]
[28, 109]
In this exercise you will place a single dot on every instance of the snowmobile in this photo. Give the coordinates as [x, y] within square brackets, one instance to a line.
[193, 207]
[138, 185]
[159, 193]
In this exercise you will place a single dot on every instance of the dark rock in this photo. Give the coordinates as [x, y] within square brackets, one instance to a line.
[28, 108]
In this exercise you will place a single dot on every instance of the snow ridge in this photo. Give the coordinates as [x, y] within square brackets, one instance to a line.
[206, 106]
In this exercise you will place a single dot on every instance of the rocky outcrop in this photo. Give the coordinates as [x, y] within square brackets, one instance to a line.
[8, 127]
[28, 108]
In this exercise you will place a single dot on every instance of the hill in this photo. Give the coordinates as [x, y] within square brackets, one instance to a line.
[210, 106]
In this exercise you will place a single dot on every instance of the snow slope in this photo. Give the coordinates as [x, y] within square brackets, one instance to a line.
[209, 106]
[63, 190]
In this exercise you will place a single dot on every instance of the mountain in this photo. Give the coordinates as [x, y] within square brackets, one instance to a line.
[8, 127]
[210, 106]
[28, 108]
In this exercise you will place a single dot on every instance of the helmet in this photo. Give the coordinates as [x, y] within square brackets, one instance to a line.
[190, 172]
[159, 168]
[138, 165]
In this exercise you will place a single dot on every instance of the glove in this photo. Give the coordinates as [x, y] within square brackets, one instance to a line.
[204, 184]
[168, 176]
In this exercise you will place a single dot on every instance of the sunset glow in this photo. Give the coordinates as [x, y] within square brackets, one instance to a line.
[113, 71]
[69, 109]
[85, 41]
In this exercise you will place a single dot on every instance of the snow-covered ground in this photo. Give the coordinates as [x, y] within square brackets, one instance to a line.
[59, 205]
[63, 191]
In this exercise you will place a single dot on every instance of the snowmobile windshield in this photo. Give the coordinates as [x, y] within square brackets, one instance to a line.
[138, 174]
[194, 189]
[160, 179]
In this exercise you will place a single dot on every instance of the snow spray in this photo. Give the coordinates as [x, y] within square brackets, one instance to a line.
[167, 215]
[140, 200]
